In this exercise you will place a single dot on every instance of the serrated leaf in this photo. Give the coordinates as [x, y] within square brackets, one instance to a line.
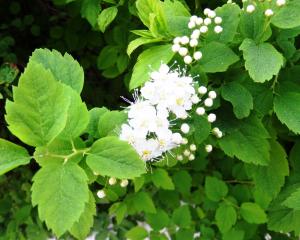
[262, 60]
[158, 220]
[202, 128]
[182, 216]
[95, 114]
[286, 104]
[253, 213]
[225, 217]
[63, 67]
[12, 156]
[112, 157]
[183, 182]
[288, 15]
[140, 202]
[293, 201]
[265, 179]
[147, 62]
[60, 191]
[215, 189]
[39, 111]
[90, 9]
[247, 140]
[217, 57]
[134, 44]
[240, 98]
[106, 16]
[110, 123]
[161, 179]
[82, 227]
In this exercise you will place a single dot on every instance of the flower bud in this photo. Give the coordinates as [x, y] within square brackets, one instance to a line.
[218, 29]
[206, 11]
[280, 3]
[184, 40]
[193, 42]
[183, 51]
[185, 128]
[208, 148]
[211, 14]
[212, 94]
[208, 102]
[177, 138]
[218, 20]
[193, 147]
[200, 111]
[184, 141]
[186, 153]
[250, 8]
[124, 183]
[191, 25]
[112, 181]
[175, 47]
[202, 90]
[101, 194]
[187, 59]
[211, 117]
[203, 29]
[207, 21]
[269, 12]
[192, 157]
[199, 21]
[179, 157]
[197, 55]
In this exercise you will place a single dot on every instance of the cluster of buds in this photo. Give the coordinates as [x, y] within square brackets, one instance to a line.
[186, 46]
[250, 8]
[112, 181]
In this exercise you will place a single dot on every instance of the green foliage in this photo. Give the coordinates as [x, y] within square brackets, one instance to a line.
[253, 213]
[215, 189]
[225, 217]
[106, 17]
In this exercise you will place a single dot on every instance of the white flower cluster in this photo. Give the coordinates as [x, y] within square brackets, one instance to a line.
[268, 12]
[168, 96]
[185, 45]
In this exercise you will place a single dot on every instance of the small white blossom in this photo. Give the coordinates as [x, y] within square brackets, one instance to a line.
[207, 21]
[218, 29]
[101, 194]
[211, 117]
[188, 59]
[192, 157]
[185, 128]
[199, 21]
[177, 138]
[269, 12]
[200, 111]
[112, 181]
[203, 29]
[124, 183]
[179, 157]
[280, 3]
[183, 51]
[208, 148]
[193, 147]
[175, 47]
[212, 94]
[193, 42]
[218, 20]
[191, 25]
[184, 40]
[211, 14]
[250, 8]
[184, 141]
[197, 55]
[202, 90]
[186, 153]
[208, 102]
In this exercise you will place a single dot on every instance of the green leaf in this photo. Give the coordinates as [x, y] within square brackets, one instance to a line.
[12, 156]
[182, 216]
[262, 60]
[137, 233]
[161, 179]
[247, 140]
[112, 157]
[63, 67]
[158, 220]
[147, 62]
[240, 98]
[217, 57]
[253, 213]
[106, 17]
[140, 202]
[108, 57]
[82, 227]
[215, 189]
[286, 104]
[110, 123]
[266, 182]
[60, 191]
[95, 115]
[183, 182]
[225, 217]
[288, 15]
[202, 128]
[78, 117]
[145, 8]
[90, 9]
[293, 201]
[39, 111]
[234, 234]
[119, 210]
[139, 42]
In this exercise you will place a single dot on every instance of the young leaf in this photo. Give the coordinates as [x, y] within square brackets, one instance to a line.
[95, 115]
[182, 216]
[253, 213]
[112, 157]
[262, 60]
[82, 227]
[147, 61]
[106, 17]
[215, 189]
[90, 9]
[110, 123]
[39, 111]
[145, 8]
[247, 140]
[217, 57]
[134, 44]
[286, 104]
[240, 98]
[137, 233]
[161, 179]
[64, 68]
[60, 191]
[287, 16]
[140, 202]
[11, 156]
[183, 182]
[225, 217]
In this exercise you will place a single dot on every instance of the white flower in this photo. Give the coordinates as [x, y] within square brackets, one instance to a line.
[112, 181]
[203, 29]
[124, 183]
[193, 147]
[200, 111]
[250, 8]
[179, 157]
[202, 90]
[192, 157]
[211, 14]
[177, 138]
[165, 142]
[208, 148]
[184, 40]
[129, 135]
[199, 21]
[193, 42]
[186, 153]
[280, 3]
[207, 21]
[197, 55]
[212, 94]
[175, 47]
[218, 29]
[218, 20]
[191, 25]
[101, 194]
[208, 102]
[183, 51]
[148, 149]
[269, 12]
[211, 117]
[185, 128]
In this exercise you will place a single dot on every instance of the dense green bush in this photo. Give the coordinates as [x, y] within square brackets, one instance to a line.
[62, 115]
